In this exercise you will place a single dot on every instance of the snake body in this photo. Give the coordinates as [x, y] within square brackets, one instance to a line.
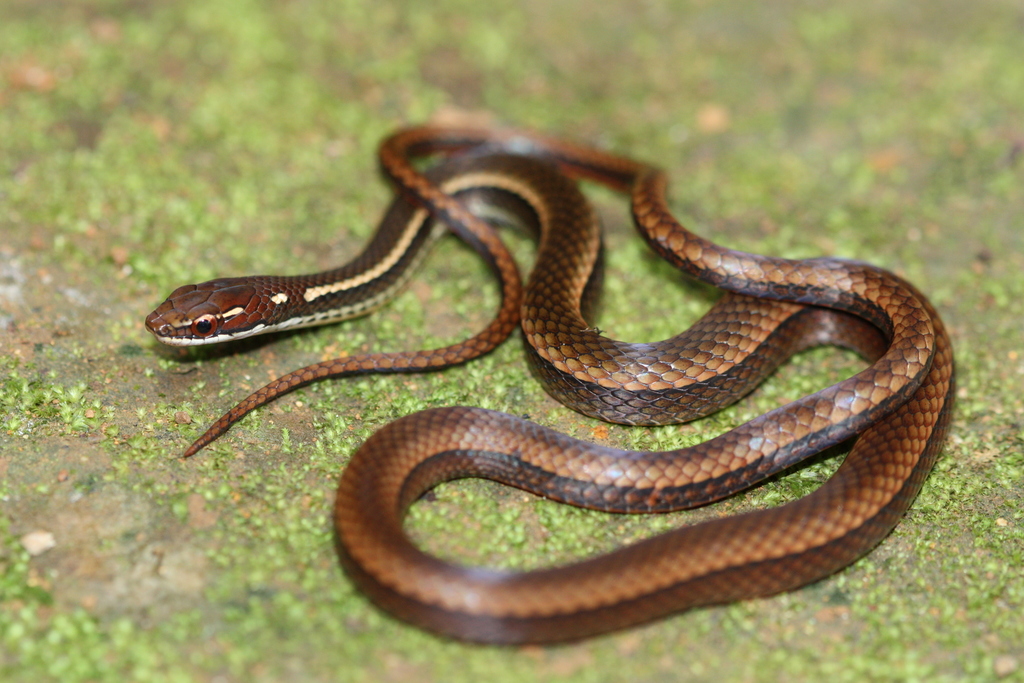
[899, 406]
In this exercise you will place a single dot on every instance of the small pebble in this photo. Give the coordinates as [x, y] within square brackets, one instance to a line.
[119, 255]
[38, 542]
[1004, 665]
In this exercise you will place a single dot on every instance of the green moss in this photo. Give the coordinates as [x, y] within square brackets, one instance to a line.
[146, 146]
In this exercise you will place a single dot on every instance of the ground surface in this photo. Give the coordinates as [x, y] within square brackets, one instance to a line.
[145, 145]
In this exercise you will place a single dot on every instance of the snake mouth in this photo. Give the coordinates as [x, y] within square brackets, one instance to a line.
[171, 326]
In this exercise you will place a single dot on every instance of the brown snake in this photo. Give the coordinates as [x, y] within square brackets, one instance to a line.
[899, 406]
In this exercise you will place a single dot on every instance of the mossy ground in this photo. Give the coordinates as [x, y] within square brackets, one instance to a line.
[146, 145]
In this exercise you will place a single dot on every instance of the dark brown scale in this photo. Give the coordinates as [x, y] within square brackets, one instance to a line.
[696, 348]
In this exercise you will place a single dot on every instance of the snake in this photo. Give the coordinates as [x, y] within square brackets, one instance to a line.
[896, 410]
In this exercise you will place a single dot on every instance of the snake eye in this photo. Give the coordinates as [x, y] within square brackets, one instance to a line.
[204, 325]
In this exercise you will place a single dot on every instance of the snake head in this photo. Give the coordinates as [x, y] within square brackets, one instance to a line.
[208, 313]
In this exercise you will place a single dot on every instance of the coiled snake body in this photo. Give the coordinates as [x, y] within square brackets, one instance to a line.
[899, 406]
